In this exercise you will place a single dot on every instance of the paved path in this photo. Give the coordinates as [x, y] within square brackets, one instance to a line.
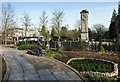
[0, 68]
[22, 69]
[0, 64]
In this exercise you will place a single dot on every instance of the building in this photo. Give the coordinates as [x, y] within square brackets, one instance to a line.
[12, 35]
[0, 36]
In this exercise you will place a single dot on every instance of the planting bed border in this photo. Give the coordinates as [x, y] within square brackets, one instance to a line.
[6, 76]
[111, 74]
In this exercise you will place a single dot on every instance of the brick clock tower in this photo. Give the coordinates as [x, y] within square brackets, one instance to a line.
[84, 25]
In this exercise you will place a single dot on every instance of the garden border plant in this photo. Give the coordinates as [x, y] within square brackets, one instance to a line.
[57, 55]
[7, 69]
[111, 74]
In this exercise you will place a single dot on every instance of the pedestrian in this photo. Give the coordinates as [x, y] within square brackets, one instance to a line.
[39, 46]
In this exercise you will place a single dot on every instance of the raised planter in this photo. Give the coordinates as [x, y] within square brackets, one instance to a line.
[111, 74]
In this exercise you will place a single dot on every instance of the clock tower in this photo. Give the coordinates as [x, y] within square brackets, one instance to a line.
[84, 25]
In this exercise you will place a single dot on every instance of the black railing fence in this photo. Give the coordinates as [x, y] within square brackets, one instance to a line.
[77, 45]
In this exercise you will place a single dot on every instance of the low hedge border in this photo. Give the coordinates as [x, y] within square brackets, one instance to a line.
[111, 74]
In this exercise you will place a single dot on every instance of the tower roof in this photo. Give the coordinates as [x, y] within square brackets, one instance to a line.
[84, 11]
[119, 3]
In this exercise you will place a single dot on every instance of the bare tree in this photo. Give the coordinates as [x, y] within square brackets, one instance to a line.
[43, 19]
[43, 24]
[78, 24]
[57, 22]
[7, 19]
[100, 30]
[26, 22]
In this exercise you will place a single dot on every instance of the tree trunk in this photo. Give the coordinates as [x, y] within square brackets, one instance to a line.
[5, 39]
[58, 44]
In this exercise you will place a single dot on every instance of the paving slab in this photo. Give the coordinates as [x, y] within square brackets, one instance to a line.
[44, 72]
[29, 71]
[73, 75]
[61, 76]
[21, 69]
[16, 72]
[46, 75]
[59, 70]
[39, 69]
[0, 68]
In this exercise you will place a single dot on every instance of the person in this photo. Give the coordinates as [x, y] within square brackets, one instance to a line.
[39, 47]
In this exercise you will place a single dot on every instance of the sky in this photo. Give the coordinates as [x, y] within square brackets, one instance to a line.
[99, 12]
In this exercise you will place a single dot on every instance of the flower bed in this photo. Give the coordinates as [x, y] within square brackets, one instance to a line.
[94, 66]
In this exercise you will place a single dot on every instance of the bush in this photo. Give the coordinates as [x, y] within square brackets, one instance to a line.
[98, 78]
[26, 46]
[92, 65]
[53, 54]
[100, 47]
[57, 55]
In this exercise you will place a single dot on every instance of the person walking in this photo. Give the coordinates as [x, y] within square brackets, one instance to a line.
[39, 46]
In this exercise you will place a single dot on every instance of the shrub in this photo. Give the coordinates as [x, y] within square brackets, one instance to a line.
[57, 55]
[26, 46]
[100, 47]
[92, 65]
[98, 78]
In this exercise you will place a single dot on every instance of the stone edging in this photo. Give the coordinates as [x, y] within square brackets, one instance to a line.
[114, 73]
[83, 78]
[7, 70]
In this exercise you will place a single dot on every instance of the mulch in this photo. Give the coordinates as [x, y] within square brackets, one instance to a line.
[111, 56]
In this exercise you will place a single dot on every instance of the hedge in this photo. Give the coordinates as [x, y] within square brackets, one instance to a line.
[26, 46]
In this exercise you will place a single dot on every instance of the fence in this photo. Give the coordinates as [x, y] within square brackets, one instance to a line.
[78, 45]
[69, 45]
